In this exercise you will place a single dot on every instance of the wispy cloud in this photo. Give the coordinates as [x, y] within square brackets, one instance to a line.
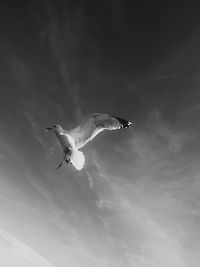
[15, 253]
[149, 212]
[36, 131]
[64, 44]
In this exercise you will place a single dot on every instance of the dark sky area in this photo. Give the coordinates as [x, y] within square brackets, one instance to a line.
[136, 202]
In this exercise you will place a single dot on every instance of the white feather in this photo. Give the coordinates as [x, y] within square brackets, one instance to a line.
[77, 159]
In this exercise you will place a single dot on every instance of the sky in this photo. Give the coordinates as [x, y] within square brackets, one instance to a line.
[136, 202]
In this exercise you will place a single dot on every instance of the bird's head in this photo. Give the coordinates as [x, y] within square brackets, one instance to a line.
[55, 127]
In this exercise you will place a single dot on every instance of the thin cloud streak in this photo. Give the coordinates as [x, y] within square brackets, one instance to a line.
[136, 203]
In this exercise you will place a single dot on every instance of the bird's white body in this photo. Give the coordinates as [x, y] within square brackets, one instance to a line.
[64, 139]
[77, 157]
[71, 141]
[70, 151]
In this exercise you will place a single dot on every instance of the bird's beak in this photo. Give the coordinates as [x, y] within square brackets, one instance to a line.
[49, 128]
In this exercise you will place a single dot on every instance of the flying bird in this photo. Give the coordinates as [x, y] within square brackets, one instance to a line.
[72, 140]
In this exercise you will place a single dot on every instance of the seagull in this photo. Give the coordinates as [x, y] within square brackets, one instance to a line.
[72, 140]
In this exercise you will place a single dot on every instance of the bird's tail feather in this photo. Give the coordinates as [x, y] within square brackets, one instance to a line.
[77, 159]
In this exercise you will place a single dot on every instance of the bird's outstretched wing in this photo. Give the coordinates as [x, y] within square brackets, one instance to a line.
[95, 124]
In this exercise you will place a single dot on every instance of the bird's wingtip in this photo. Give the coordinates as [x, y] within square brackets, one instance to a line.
[124, 123]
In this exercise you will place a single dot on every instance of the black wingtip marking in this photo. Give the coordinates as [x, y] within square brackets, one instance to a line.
[124, 123]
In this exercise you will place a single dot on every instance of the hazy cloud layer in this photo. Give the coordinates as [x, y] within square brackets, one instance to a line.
[136, 203]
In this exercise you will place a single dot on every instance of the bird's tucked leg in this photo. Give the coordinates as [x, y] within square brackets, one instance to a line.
[64, 159]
